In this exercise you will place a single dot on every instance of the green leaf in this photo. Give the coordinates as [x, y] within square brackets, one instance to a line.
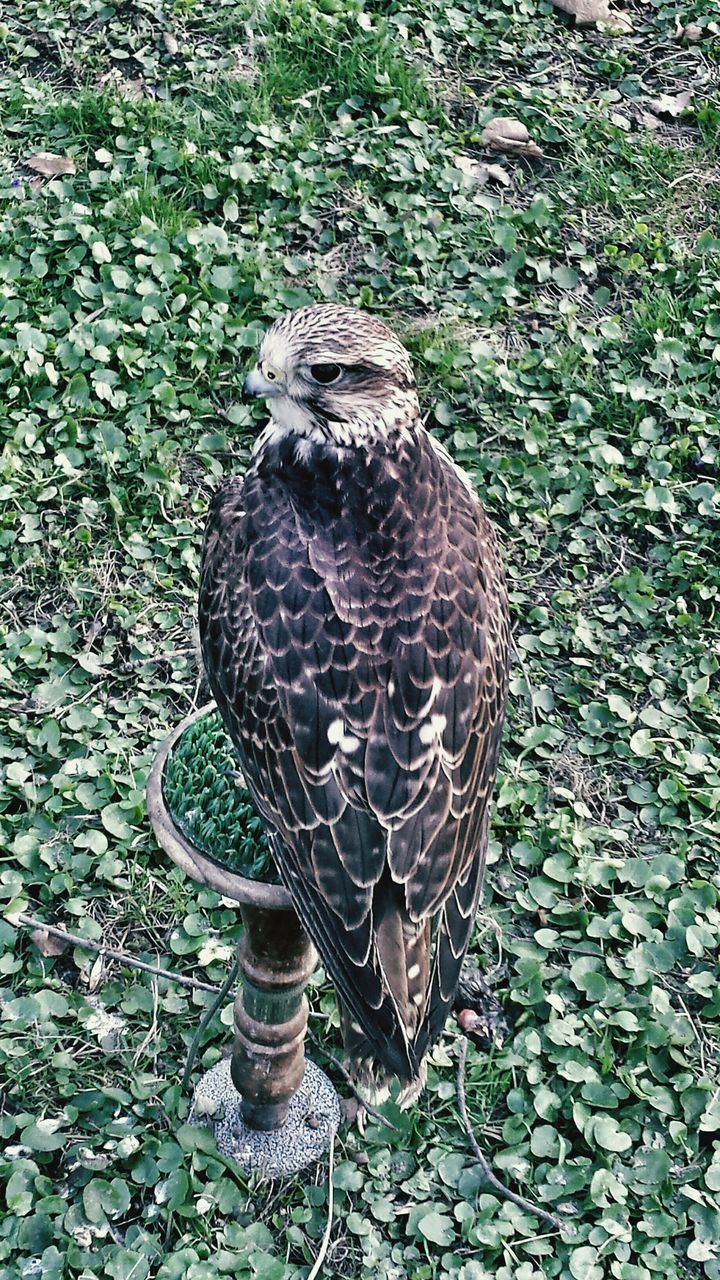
[93, 840]
[641, 744]
[19, 1192]
[43, 1135]
[650, 1169]
[565, 277]
[265, 1267]
[546, 1103]
[710, 1118]
[545, 1142]
[176, 1189]
[607, 1133]
[585, 1263]
[621, 708]
[437, 1228]
[659, 498]
[701, 1251]
[347, 1176]
[103, 1199]
[126, 1264]
[695, 939]
[114, 822]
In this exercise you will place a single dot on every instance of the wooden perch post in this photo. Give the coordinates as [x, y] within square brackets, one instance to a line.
[275, 958]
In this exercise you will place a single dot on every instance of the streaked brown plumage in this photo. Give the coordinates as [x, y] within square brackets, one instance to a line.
[354, 630]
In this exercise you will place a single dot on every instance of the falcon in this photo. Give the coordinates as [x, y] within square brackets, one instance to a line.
[354, 630]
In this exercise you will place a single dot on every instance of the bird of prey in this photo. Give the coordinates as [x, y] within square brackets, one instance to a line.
[354, 630]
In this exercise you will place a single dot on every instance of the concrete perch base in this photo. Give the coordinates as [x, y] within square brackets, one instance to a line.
[304, 1136]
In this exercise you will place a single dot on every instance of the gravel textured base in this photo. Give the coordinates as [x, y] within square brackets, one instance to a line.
[304, 1137]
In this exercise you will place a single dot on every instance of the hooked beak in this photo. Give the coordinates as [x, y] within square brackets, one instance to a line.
[256, 384]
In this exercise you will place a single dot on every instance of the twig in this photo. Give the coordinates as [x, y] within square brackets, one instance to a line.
[526, 677]
[151, 1033]
[206, 1018]
[698, 1035]
[487, 1172]
[121, 956]
[691, 173]
[315, 1272]
[372, 1111]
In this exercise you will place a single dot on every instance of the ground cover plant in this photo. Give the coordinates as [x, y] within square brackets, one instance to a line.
[171, 176]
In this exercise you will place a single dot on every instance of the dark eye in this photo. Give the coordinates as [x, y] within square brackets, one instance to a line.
[325, 373]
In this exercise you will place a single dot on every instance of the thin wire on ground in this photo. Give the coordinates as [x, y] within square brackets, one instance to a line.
[122, 957]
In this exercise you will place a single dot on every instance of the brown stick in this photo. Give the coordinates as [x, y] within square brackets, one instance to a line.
[487, 1172]
[121, 956]
[205, 1021]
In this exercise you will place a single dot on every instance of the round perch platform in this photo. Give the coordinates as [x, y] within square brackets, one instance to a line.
[270, 1109]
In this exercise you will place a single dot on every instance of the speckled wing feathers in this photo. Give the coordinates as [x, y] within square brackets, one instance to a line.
[354, 632]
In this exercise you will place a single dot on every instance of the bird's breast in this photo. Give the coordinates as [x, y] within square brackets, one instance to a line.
[362, 524]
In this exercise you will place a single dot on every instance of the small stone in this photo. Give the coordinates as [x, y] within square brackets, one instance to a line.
[692, 32]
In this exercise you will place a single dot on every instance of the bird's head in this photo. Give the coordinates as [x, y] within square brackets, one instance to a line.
[336, 375]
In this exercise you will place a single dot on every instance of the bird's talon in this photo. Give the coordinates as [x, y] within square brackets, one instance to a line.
[353, 1111]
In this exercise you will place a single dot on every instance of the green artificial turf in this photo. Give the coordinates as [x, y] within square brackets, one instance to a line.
[208, 801]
